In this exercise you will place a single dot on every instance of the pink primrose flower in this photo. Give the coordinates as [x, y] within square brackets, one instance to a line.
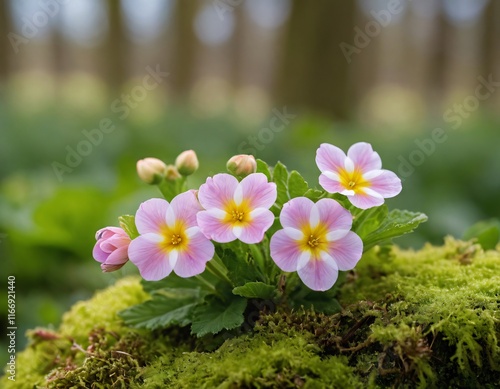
[359, 175]
[111, 248]
[170, 238]
[236, 210]
[316, 241]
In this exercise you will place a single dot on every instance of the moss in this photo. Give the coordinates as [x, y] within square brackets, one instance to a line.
[411, 319]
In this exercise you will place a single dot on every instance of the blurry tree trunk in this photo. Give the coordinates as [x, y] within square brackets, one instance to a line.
[314, 71]
[490, 56]
[116, 60]
[5, 47]
[439, 56]
[237, 49]
[185, 46]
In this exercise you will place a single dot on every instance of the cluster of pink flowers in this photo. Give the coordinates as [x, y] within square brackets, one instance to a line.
[316, 239]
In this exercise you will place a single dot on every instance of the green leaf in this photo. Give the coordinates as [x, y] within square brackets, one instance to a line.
[216, 316]
[280, 177]
[173, 281]
[262, 167]
[487, 233]
[314, 194]
[127, 222]
[241, 269]
[255, 290]
[297, 186]
[397, 223]
[368, 220]
[167, 307]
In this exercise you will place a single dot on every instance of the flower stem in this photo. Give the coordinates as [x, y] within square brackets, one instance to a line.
[209, 285]
[217, 268]
[259, 259]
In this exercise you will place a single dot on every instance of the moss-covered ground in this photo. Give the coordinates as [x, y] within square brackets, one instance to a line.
[429, 318]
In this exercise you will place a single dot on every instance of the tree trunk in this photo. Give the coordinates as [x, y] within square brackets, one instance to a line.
[116, 59]
[5, 47]
[314, 72]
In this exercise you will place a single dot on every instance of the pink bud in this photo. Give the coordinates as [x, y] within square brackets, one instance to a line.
[242, 165]
[151, 170]
[187, 162]
[111, 248]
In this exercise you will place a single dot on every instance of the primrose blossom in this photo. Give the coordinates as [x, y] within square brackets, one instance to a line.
[357, 175]
[170, 240]
[236, 210]
[111, 248]
[315, 241]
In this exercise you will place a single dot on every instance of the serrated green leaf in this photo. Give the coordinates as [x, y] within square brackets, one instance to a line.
[368, 220]
[240, 268]
[216, 316]
[127, 223]
[487, 233]
[297, 186]
[263, 167]
[314, 194]
[280, 177]
[397, 223]
[255, 290]
[170, 307]
[173, 281]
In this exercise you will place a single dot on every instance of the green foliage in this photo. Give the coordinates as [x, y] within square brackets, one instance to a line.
[218, 315]
[487, 233]
[255, 290]
[127, 223]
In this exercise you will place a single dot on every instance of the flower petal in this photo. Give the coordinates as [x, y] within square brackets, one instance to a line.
[319, 273]
[193, 260]
[212, 225]
[364, 157]
[387, 184]
[346, 251]
[145, 253]
[330, 158]
[365, 201]
[296, 213]
[258, 191]
[329, 184]
[254, 231]
[119, 256]
[285, 251]
[333, 215]
[217, 191]
[98, 254]
[151, 216]
[185, 207]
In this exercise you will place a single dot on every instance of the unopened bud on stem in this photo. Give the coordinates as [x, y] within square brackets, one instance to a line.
[242, 165]
[151, 170]
[172, 173]
[187, 162]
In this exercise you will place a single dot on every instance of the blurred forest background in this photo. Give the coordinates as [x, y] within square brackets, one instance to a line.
[418, 79]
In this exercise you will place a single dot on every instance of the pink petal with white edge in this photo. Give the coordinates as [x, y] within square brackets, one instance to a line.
[365, 201]
[333, 215]
[185, 206]
[346, 251]
[330, 158]
[254, 232]
[319, 274]
[296, 213]
[193, 261]
[212, 226]
[151, 216]
[364, 157]
[257, 190]
[152, 262]
[285, 251]
[330, 185]
[387, 184]
[217, 191]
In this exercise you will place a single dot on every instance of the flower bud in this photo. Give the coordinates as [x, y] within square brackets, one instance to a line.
[242, 165]
[187, 162]
[172, 173]
[151, 170]
[111, 248]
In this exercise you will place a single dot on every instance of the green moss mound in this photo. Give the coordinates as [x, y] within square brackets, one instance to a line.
[429, 318]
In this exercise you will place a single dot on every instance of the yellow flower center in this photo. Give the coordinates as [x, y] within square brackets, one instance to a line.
[174, 238]
[353, 180]
[314, 239]
[238, 214]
